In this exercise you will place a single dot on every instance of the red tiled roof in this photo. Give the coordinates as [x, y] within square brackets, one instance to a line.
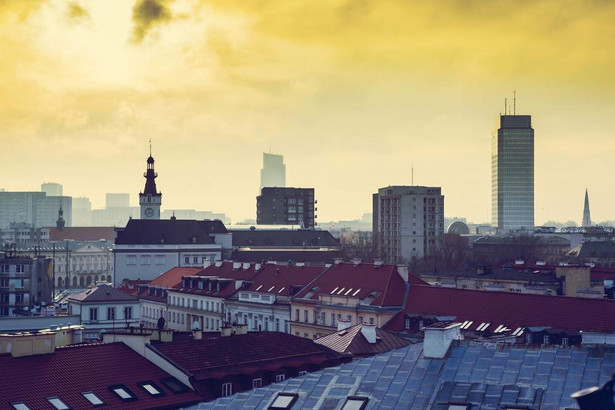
[227, 287]
[511, 309]
[231, 353]
[72, 370]
[227, 270]
[173, 277]
[82, 233]
[102, 293]
[280, 279]
[359, 281]
[351, 340]
[131, 287]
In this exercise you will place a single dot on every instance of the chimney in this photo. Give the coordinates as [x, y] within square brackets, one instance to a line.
[257, 266]
[337, 261]
[356, 261]
[343, 324]
[238, 284]
[241, 329]
[197, 334]
[236, 265]
[206, 263]
[226, 331]
[438, 339]
[378, 263]
[27, 344]
[246, 266]
[369, 332]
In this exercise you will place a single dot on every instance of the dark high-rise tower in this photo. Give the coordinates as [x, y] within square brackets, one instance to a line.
[150, 199]
[587, 220]
[512, 173]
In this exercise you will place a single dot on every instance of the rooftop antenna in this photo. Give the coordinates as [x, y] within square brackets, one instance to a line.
[150, 147]
[505, 107]
[514, 103]
[413, 174]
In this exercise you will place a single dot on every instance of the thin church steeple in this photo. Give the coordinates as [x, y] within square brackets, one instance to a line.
[587, 220]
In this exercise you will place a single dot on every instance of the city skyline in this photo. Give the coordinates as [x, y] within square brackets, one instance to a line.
[214, 84]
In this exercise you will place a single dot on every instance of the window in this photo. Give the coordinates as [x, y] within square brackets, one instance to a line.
[145, 259]
[123, 392]
[195, 260]
[187, 260]
[128, 313]
[545, 339]
[284, 401]
[131, 260]
[256, 383]
[151, 388]
[111, 313]
[227, 389]
[296, 315]
[302, 372]
[332, 319]
[20, 406]
[360, 319]
[407, 323]
[57, 403]
[564, 341]
[93, 314]
[355, 403]
[280, 377]
[160, 260]
[92, 398]
[305, 316]
[371, 320]
[421, 325]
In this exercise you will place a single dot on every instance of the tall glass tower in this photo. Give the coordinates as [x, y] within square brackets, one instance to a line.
[512, 173]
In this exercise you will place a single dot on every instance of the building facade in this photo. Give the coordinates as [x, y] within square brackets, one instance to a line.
[512, 173]
[34, 208]
[273, 173]
[286, 206]
[25, 283]
[408, 222]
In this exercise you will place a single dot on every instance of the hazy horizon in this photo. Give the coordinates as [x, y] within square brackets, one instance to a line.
[351, 93]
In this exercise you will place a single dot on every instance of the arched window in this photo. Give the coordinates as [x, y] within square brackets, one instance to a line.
[60, 282]
[95, 278]
[82, 281]
[109, 278]
[74, 281]
[89, 281]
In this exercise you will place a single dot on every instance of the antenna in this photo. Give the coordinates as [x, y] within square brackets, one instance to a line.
[413, 174]
[514, 103]
[505, 107]
[150, 147]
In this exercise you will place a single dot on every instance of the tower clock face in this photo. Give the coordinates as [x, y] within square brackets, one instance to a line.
[149, 212]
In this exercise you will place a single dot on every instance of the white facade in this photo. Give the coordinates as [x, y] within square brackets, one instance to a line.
[87, 265]
[150, 261]
[259, 311]
[186, 308]
[151, 311]
[105, 316]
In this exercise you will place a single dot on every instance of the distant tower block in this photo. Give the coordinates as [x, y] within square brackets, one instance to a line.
[273, 173]
[587, 220]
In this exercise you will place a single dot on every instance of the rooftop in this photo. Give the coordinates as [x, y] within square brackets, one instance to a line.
[351, 340]
[168, 231]
[505, 308]
[480, 375]
[283, 279]
[283, 238]
[71, 371]
[102, 293]
[82, 233]
[173, 277]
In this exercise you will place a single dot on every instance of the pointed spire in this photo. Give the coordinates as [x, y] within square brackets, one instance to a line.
[587, 221]
[60, 222]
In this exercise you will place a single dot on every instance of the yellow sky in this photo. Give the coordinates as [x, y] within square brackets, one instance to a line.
[351, 92]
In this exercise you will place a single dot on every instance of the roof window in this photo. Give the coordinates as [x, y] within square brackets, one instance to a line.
[174, 385]
[20, 405]
[282, 290]
[271, 288]
[92, 398]
[284, 401]
[260, 286]
[123, 392]
[355, 403]
[334, 290]
[356, 291]
[151, 388]
[57, 403]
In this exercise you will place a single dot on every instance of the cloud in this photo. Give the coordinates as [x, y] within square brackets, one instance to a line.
[77, 13]
[148, 13]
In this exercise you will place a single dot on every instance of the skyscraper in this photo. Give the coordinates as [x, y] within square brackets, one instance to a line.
[273, 173]
[51, 188]
[587, 220]
[512, 173]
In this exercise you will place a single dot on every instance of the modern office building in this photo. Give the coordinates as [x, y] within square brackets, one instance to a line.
[34, 208]
[115, 200]
[51, 188]
[82, 211]
[408, 222]
[286, 206]
[512, 173]
[273, 173]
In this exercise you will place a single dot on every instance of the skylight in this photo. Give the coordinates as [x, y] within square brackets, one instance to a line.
[123, 392]
[347, 292]
[174, 385]
[271, 288]
[259, 287]
[466, 324]
[355, 403]
[518, 331]
[334, 290]
[483, 327]
[281, 290]
[57, 403]
[356, 291]
[340, 291]
[151, 388]
[284, 401]
[20, 406]
[92, 398]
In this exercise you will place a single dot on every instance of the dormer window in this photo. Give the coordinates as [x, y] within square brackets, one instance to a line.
[194, 239]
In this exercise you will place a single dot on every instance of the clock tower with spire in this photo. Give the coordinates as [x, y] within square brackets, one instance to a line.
[150, 199]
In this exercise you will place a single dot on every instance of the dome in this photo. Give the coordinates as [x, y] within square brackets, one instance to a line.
[459, 228]
[150, 160]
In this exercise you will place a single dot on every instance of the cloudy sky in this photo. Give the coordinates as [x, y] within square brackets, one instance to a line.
[351, 92]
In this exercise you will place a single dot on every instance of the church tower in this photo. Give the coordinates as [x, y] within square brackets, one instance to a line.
[150, 199]
[587, 220]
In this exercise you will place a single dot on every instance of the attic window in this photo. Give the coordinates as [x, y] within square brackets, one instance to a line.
[92, 398]
[347, 292]
[123, 392]
[355, 403]
[356, 291]
[20, 405]
[334, 290]
[281, 290]
[271, 288]
[151, 388]
[341, 290]
[260, 286]
[284, 401]
[57, 403]
[174, 385]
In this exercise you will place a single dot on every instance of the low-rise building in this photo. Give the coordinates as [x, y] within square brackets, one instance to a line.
[25, 284]
[353, 292]
[103, 308]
